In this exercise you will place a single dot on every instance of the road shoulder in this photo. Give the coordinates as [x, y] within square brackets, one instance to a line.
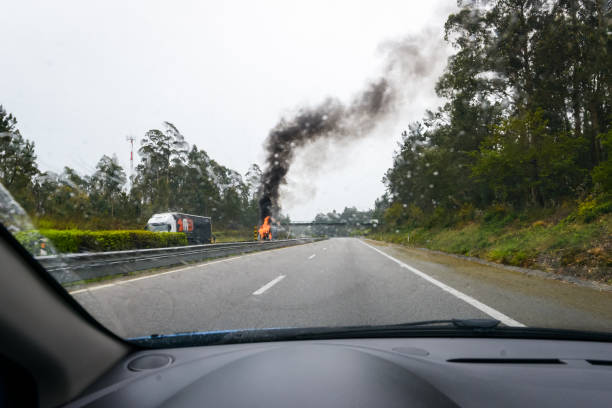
[530, 298]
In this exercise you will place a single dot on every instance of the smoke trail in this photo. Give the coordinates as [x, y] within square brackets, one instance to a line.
[335, 120]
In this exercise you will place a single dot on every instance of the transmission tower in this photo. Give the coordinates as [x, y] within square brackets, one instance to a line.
[131, 140]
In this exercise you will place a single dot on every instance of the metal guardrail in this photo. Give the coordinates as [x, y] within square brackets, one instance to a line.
[83, 266]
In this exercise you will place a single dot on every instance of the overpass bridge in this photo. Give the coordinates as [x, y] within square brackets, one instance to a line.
[330, 223]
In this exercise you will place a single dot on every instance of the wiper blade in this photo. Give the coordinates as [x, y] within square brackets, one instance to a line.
[309, 333]
[458, 323]
[467, 328]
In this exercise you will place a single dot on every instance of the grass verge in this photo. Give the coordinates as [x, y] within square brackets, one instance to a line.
[568, 245]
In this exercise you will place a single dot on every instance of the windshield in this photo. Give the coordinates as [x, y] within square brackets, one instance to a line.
[158, 227]
[214, 166]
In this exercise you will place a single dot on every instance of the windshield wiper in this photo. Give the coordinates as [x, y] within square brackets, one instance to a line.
[458, 323]
[313, 333]
[428, 328]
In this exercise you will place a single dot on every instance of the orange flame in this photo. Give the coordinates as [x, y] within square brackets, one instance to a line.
[264, 230]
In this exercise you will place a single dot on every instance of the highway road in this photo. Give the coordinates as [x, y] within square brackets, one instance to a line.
[338, 282]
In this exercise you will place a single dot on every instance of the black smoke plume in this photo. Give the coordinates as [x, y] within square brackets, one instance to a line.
[335, 120]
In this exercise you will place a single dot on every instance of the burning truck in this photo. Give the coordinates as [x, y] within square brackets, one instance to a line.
[269, 230]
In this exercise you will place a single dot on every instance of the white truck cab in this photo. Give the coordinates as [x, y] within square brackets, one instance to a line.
[164, 222]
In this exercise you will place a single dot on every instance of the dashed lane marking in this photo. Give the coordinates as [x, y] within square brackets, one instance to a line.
[268, 285]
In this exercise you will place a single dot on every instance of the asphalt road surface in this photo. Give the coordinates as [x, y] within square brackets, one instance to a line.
[338, 282]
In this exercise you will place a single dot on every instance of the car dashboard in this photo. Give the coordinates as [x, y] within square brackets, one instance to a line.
[427, 372]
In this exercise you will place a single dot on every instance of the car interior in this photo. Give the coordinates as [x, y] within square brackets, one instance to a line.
[55, 354]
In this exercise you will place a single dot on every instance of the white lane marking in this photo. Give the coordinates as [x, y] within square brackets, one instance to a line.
[312, 256]
[269, 285]
[203, 264]
[468, 299]
[97, 287]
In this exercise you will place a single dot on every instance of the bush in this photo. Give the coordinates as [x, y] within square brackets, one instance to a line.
[467, 212]
[495, 212]
[591, 208]
[394, 214]
[499, 215]
[441, 217]
[100, 241]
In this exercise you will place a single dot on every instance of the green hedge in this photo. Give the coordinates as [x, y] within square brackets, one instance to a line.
[99, 241]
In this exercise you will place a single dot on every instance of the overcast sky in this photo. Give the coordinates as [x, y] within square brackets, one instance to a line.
[80, 76]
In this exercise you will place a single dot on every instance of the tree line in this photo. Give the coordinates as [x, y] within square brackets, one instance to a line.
[527, 116]
[171, 176]
[526, 123]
